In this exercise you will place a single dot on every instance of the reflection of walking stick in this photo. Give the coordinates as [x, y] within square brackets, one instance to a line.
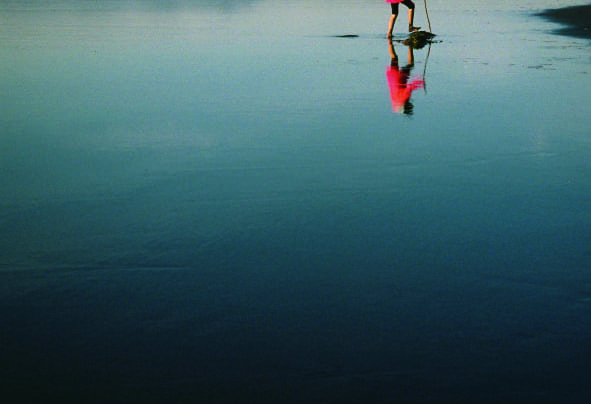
[427, 12]
[425, 69]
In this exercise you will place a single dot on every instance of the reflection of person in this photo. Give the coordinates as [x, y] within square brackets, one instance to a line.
[398, 82]
[411, 14]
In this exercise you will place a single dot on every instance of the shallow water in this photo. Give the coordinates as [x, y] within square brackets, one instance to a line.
[215, 201]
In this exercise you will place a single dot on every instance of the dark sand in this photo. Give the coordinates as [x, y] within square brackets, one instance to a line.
[577, 20]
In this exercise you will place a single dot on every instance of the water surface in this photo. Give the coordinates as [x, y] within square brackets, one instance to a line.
[214, 201]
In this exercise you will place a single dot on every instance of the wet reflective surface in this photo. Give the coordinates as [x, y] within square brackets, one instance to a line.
[220, 202]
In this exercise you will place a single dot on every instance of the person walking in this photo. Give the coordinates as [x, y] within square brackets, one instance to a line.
[411, 14]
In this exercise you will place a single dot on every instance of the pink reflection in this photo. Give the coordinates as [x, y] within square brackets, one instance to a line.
[401, 83]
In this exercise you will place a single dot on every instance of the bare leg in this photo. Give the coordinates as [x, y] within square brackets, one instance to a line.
[411, 17]
[391, 25]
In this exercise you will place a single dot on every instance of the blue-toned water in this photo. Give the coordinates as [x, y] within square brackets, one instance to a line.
[217, 201]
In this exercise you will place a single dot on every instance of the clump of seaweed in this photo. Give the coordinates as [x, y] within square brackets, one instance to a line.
[419, 39]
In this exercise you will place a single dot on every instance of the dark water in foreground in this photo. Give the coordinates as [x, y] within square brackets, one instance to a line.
[215, 202]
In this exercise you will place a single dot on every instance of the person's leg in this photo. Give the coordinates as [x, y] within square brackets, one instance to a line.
[411, 15]
[392, 20]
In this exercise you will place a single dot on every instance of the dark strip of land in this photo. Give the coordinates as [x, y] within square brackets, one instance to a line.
[577, 20]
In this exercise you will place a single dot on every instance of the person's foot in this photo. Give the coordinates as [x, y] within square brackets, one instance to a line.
[413, 29]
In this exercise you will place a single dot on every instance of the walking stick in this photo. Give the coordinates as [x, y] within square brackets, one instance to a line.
[427, 12]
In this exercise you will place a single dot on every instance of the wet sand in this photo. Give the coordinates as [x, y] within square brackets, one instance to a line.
[577, 20]
[217, 204]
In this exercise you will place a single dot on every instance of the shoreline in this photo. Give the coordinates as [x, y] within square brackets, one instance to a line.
[576, 20]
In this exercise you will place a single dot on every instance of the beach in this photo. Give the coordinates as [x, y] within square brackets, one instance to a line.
[257, 201]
